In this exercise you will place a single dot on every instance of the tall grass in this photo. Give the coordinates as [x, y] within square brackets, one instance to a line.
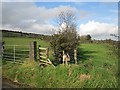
[60, 77]
[97, 68]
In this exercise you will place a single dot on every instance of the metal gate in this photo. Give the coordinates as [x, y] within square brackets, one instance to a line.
[15, 53]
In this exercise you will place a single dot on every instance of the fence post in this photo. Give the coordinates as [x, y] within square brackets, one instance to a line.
[47, 53]
[39, 51]
[33, 51]
[75, 56]
[14, 52]
[31, 56]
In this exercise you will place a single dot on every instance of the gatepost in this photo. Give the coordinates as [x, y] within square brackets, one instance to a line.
[33, 51]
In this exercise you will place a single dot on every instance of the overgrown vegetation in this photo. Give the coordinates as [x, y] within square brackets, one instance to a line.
[97, 68]
[66, 39]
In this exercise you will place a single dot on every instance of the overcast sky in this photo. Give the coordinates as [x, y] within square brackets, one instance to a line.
[99, 19]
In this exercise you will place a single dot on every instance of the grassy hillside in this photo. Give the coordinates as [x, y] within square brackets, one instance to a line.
[97, 68]
[23, 41]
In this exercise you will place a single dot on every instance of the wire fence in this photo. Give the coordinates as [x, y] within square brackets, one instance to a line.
[19, 53]
[15, 53]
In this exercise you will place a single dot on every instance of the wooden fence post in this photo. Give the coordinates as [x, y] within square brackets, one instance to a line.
[47, 53]
[75, 56]
[33, 51]
[39, 51]
[30, 51]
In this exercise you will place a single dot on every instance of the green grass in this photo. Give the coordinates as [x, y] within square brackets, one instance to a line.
[23, 41]
[99, 54]
[96, 69]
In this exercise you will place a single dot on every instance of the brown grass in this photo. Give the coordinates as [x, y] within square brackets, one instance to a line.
[84, 77]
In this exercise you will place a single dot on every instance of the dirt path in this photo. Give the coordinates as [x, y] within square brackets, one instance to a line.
[7, 83]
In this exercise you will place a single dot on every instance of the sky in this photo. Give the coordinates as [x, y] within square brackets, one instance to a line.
[99, 19]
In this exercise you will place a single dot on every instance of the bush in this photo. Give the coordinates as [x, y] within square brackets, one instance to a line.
[66, 39]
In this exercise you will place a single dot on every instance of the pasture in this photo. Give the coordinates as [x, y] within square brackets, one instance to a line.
[23, 41]
[96, 68]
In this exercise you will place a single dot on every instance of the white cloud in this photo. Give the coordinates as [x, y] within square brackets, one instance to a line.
[98, 30]
[26, 16]
[30, 18]
[43, 28]
[10, 27]
[34, 28]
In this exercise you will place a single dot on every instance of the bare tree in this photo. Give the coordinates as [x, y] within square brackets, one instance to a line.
[68, 18]
[67, 38]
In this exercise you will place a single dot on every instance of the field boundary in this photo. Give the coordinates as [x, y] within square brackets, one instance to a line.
[15, 53]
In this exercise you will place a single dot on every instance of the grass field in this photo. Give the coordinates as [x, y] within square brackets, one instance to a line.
[96, 69]
[24, 41]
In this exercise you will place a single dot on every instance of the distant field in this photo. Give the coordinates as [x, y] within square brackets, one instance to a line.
[97, 68]
[23, 41]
